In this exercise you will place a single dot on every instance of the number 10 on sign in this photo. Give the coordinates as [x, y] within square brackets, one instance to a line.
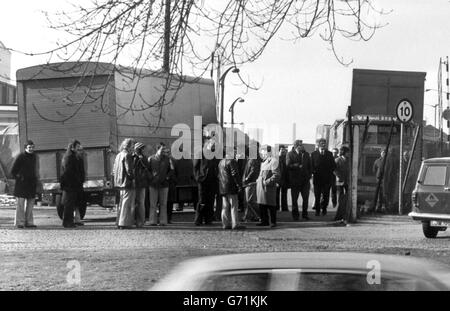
[405, 111]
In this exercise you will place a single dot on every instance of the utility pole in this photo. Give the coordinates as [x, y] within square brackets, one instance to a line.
[167, 24]
[440, 106]
[448, 97]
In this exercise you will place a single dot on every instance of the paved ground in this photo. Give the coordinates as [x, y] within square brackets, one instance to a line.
[134, 259]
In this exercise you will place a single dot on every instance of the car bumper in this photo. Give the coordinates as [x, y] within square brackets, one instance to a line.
[428, 216]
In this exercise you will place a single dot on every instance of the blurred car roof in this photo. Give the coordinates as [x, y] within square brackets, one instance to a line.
[414, 267]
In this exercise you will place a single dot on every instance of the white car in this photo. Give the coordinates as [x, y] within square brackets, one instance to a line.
[303, 271]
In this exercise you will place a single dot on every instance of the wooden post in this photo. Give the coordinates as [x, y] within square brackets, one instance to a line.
[411, 157]
[353, 182]
[355, 172]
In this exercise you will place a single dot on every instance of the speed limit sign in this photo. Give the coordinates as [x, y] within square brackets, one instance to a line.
[405, 111]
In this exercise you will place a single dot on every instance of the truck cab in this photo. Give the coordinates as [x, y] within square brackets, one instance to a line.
[431, 196]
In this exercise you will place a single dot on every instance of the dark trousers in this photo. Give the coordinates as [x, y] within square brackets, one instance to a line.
[322, 196]
[205, 207]
[381, 198]
[70, 199]
[265, 212]
[342, 197]
[169, 211]
[218, 210]
[284, 205]
[295, 192]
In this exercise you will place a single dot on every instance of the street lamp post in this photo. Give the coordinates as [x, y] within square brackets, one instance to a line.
[222, 89]
[241, 100]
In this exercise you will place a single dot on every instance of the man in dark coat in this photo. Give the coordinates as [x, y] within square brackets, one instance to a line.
[282, 187]
[298, 164]
[342, 174]
[335, 152]
[205, 174]
[72, 179]
[378, 167]
[141, 177]
[251, 174]
[25, 171]
[323, 166]
[230, 186]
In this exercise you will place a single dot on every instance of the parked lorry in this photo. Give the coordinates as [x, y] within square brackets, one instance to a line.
[101, 106]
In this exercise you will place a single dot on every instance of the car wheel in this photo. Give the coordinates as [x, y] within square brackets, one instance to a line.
[59, 206]
[429, 231]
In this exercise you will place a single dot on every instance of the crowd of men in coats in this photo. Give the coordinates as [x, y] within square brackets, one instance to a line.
[220, 183]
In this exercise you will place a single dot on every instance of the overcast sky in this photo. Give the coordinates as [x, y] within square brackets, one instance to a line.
[300, 82]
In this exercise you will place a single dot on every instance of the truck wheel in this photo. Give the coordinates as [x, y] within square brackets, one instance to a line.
[59, 206]
[429, 231]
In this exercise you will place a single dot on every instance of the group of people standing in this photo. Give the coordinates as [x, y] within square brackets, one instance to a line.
[133, 173]
[329, 172]
[220, 181]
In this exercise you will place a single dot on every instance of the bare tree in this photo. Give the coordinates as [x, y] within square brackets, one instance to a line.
[178, 37]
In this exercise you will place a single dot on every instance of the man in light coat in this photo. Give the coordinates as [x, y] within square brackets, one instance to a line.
[123, 172]
[266, 187]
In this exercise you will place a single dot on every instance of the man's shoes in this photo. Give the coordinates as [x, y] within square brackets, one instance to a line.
[227, 228]
[79, 224]
[198, 224]
[124, 227]
[31, 226]
[324, 213]
[209, 223]
[70, 226]
[239, 227]
[20, 226]
[261, 224]
[273, 225]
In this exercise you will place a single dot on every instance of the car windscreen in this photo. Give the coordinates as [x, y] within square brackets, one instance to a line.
[238, 281]
[358, 282]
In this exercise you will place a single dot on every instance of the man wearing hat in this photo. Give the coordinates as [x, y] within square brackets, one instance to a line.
[141, 173]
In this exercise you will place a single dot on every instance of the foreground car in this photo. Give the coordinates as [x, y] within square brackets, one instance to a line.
[305, 271]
